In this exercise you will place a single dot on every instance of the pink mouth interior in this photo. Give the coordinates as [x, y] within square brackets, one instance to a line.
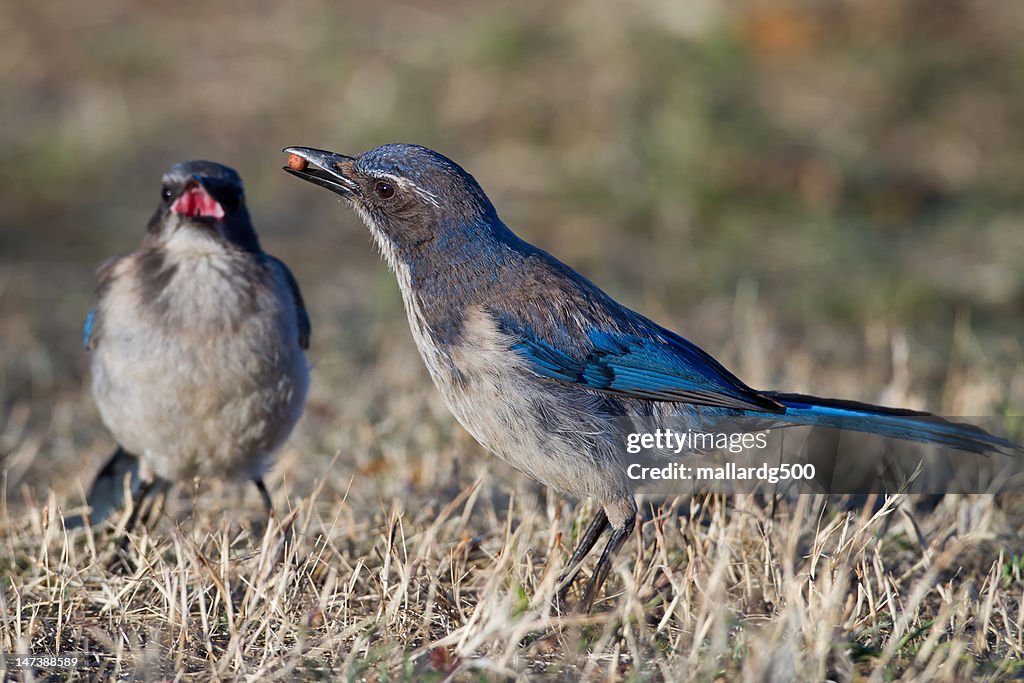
[196, 202]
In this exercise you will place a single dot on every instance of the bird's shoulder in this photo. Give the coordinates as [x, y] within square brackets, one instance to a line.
[553, 302]
[278, 266]
[106, 273]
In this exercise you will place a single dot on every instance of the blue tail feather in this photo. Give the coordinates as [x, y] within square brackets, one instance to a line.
[890, 422]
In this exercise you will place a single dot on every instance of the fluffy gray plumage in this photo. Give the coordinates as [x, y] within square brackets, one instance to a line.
[197, 340]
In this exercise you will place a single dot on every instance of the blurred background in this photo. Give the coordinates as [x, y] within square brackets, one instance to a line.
[840, 185]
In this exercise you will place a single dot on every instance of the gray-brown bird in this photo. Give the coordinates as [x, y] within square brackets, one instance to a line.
[198, 343]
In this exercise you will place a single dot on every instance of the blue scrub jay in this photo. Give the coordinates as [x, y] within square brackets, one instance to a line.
[197, 342]
[535, 361]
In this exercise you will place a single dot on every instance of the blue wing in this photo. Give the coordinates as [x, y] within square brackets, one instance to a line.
[305, 327]
[659, 367]
[669, 368]
[91, 330]
[87, 329]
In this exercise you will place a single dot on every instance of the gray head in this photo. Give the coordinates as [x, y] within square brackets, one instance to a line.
[408, 195]
[202, 204]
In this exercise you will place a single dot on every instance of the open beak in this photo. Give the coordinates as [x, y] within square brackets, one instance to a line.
[326, 169]
[195, 201]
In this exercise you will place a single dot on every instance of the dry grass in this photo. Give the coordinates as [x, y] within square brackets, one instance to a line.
[417, 555]
[826, 196]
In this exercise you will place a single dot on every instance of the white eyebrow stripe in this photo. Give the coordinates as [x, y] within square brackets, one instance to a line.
[426, 195]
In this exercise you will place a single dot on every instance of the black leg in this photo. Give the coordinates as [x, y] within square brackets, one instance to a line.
[594, 530]
[145, 486]
[604, 564]
[265, 495]
[286, 530]
[139, 497]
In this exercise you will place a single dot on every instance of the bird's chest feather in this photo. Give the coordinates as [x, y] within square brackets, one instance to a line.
[203, 304]
[475, 374]
[539, 427]
[214, 294]
[216, 346]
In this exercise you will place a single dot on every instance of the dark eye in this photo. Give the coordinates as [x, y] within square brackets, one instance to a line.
[166, 193]
[233, 201]
[384, 189]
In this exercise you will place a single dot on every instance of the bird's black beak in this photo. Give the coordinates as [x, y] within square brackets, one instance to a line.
[323, 168]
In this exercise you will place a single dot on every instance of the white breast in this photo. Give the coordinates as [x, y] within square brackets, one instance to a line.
[210, 387]
[547, 431]
[552, 433]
